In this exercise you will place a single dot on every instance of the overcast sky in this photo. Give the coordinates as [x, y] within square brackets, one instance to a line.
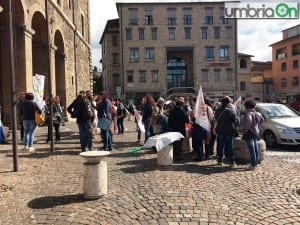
[254, 36]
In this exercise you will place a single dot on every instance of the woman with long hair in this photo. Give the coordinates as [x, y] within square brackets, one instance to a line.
[147, 113]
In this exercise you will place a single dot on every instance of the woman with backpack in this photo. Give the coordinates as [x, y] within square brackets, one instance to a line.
[250, 123]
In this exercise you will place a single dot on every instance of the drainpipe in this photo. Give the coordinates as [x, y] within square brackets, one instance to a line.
[13, 87]
[122, 61]
[74, 43]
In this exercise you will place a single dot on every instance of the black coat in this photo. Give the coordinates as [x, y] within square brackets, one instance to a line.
[177, 120]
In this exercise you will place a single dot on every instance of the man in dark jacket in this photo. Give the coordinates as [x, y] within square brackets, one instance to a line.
[177, 120]
[225, 119]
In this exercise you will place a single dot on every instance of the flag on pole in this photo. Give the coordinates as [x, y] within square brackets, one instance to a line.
[237, 108]
[38, 89]
[201, 111]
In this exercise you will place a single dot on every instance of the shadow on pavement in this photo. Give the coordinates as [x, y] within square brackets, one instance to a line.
[52, 201]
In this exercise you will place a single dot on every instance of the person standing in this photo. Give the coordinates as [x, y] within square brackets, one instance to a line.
[28, 111]
[121, 114]
[57, 118]
[78, 110]
[177, 120]
[103, 108]
[147, 113]
[225, 121]
[250, 123]
[21, 99]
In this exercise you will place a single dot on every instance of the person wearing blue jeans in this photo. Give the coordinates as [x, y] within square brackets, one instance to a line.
[28, 109]
[29, 131]
[254, 152]
[250, 123]
[85, 135]
[225, 142]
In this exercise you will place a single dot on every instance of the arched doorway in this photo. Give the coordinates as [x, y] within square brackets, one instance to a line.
[40, 48]
[60, 76]
[19, 55]
[176, 73]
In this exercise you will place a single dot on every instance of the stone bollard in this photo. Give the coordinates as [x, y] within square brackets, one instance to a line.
[95, 174]
[165, 156]
[241, 151]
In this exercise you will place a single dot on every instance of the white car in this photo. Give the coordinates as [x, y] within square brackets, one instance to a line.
[281, 126]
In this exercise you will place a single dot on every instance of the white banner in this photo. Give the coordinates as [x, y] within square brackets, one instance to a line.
[138, 117]
[201, 111]
[237, 108]
[38, 89]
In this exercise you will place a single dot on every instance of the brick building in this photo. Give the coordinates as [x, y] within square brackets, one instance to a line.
[70, 55]
[155, 47]
[286, 65]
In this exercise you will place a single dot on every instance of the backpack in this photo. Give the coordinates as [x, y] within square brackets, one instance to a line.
[88, 111]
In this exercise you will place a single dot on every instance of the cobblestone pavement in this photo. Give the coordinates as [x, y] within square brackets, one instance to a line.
[48, 187]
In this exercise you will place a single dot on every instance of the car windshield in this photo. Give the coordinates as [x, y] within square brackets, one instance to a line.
[277, 111]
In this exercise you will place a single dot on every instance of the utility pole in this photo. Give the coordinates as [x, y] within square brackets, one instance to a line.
[49, 78]
[13, 86]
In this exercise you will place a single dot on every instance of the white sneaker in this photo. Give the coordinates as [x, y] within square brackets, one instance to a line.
[233, 165]
[31, 149]
[26, 147]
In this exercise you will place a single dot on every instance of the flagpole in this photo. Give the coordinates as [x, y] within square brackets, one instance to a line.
[49, 78]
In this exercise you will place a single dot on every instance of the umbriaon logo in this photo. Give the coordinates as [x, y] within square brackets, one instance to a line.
[259, 10]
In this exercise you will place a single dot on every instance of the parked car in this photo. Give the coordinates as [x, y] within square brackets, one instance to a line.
[281, 126]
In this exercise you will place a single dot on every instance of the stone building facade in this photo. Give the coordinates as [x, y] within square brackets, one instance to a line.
[69, 47]
[165, 46]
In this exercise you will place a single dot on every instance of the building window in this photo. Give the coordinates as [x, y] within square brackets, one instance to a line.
[171, 17]
[209, 19]
[148, 17]
[187, 33]
[141, 33]
[281, 53]
[224, 52]
[243, 64]
[295, 64]
[70, 4]
[149, 54]
[154, 75]
[283, 82]
[204, 32]
[142, 76]
[228, 32]
[296, 49]
[171, 33]
[222, 16]
[187, 16]
[154, 33]
[223, 20]
[82, 25]
[177, 73]
[115, 58]
[295, 81]
[114, 40]
[229, 75]
[205, 75]
[128, 34]
[217, 32]
[129, 76]
[209, 53]
[133, 18]
[217, 74]
[134, 54]
[283, 66]
[243, 86]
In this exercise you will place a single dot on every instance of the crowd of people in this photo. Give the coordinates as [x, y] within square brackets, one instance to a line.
[101, 112]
